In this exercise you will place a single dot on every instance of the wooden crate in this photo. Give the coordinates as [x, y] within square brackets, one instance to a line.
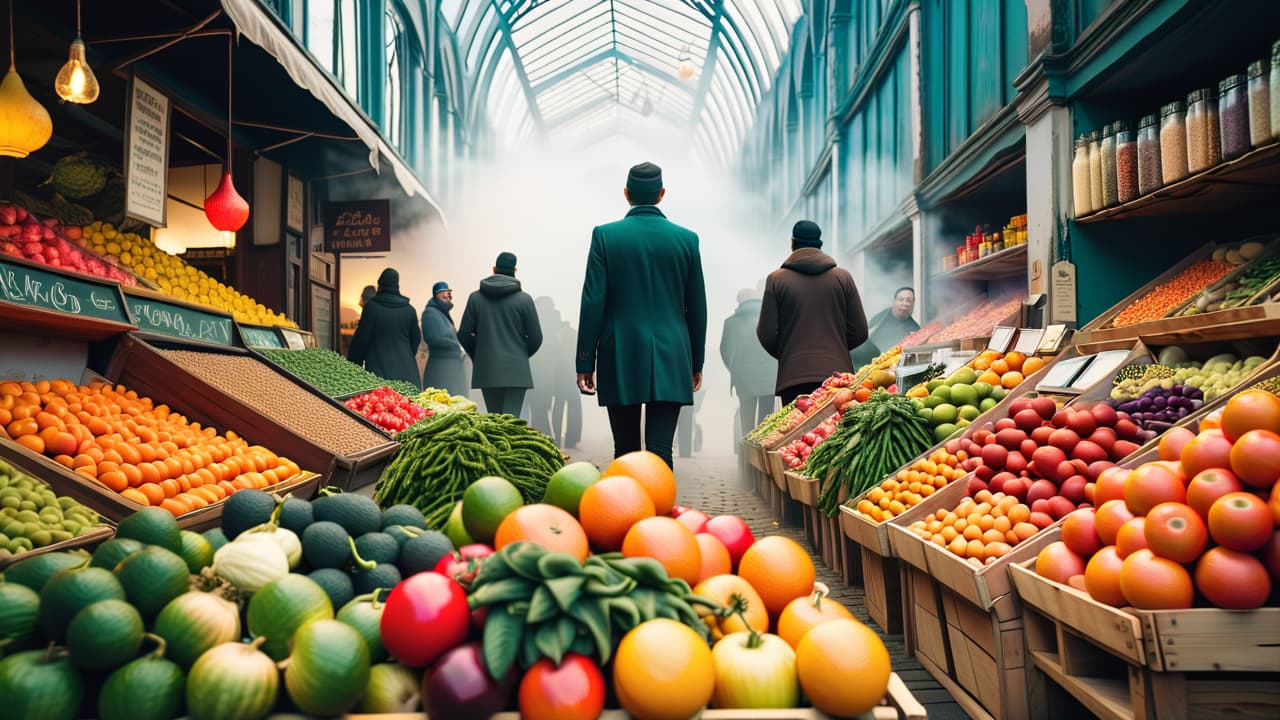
[804, 490]
[924, 628]
[1099, 328]
[777, 469]
[988, 661]
[28, 464]
[882, 589]
[755, 455]
[814, 420]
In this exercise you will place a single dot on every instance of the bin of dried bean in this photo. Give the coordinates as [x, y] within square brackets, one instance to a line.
[1259, 103]
[1204, 144]
[1173, 292]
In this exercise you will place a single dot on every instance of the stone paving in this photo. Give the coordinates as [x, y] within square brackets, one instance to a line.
[712, 484]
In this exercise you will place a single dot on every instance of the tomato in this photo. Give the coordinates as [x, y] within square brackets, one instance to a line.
[1250, 410]
[573, 691]
[1108, 519]
[1240, 521]
[1155, 583]
[1255, 458]
[1110, 485]
[425, 615]
[1172, 442]
[1274, 503]
[1058, 563]
[1151, 484]
[733, 532]
[1175, 531]
[1102, 577]
[1232, 580]
[1270, 555]
[1209, 449]
[1132, 537]
[1209, 485]
[463, 564]
[1079, 532]
[459, 687]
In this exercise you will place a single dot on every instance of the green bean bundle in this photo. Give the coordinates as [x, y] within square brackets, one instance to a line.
[872, 440]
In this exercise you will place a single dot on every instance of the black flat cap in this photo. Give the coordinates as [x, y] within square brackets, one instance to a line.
[645, 178]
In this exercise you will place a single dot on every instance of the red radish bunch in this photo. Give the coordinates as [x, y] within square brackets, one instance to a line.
[388, 409]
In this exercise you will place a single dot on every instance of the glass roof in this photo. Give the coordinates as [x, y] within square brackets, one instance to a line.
[574, 72]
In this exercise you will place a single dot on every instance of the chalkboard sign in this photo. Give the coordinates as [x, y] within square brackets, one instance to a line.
[293, 339]
[162, 317]
[260, 337]
[25, 284]
[357, 226]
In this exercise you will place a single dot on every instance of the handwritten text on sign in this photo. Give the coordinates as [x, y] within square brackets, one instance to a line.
[24, 285]
[147, 154]
[357, 226]
[180, 322]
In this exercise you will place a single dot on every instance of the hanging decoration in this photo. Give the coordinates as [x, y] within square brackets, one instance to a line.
[75, 82]
[24, 123]
[684, 67]
[225, 208]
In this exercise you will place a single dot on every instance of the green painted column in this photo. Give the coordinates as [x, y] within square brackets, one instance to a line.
[372, 48]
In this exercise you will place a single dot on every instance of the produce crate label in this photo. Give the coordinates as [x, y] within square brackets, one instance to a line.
[260, 337]
[179, 321]
[49, 290]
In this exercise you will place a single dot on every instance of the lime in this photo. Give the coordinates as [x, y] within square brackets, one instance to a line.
[998, 393]
[964, 395]
[969, 413]
[935, 384]
[987, 404]
[931, 401]
[484, 505]
[983, 389]
[927, 414]
[455, 530]
[197, 551]
[963, 376]
[943, 431]
[945, 413]
[565, 488]
[942, 391]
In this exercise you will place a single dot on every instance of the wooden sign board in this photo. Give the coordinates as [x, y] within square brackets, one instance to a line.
[24, 283]
[154, 314]
[293, 339]
[260, 337]
[146, 153]
[357, 226]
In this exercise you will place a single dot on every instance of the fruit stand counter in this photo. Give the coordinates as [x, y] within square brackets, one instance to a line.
[232, 387]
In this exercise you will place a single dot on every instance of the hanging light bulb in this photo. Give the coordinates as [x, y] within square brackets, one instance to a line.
[24, 123]
[685, 68]
[224, 207]
[75, 82]
[227, 239]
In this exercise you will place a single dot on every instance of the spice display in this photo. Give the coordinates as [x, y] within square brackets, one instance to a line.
[1080, 192]
[1108, 149]
[1240, 288]
[1259, 103]
[1095, 170]
[1173, 292]
[1126, 163]
[1204, 147]
[1233, 114]
[1149, 154]
[257, 385]
[981, 320]
[1173, 142]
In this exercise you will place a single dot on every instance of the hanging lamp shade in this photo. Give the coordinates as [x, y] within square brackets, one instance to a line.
[24, 123]
[225, 208]
[75, 82]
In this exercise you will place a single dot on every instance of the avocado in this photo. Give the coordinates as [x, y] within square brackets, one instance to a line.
[246, 509]
[335, 583]
[356, 513]
[406, 515]
[153, 526]
[326, 545]
[401, 534]
[378, 547]
[385, 575]
[216, 537]
[295, 515]
[421, 553]
[110, 553]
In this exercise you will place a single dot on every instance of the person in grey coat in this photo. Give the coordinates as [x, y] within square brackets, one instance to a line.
[752, 371]
[387, 337]
[543, 366]
[500, 331]
[445, 368]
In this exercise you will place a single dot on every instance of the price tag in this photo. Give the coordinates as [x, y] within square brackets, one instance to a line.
[185, 322]
[1028, 341]
[1000, 339]
[261, 337]
[1051, 343]
[25, 283]
[293, 339]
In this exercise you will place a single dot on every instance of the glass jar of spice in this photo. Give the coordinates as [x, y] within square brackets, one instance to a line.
[1148, 154]
[1080, 178]
[1173, 142]
[1095, 171]
[1204, 148]
[1233, 114]
[1259, 103]
[1108, 147]
[1126, 162]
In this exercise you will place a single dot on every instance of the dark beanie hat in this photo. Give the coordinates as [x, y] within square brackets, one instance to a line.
[644, 178]
[806, 233]
[506, 262]
[389, 280]
[439, 287]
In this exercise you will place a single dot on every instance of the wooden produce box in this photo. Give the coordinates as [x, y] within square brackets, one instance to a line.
[805, 490]
[755, 455]
[814, 420]
[145, 367]
[1149, 664]
[924, 629]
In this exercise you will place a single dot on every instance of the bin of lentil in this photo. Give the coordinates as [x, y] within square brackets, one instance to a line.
[233, 388]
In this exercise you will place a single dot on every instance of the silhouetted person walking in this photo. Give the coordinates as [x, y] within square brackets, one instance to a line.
[387, 337]
[445, 367]
[752, 371]
[500, 331]
[543, 366]
[643, 321]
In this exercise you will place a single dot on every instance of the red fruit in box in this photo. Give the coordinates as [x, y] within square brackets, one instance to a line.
[1010, 438]
[1123, 449]
[1045, 461]
[733, 532]
[1080, 533]
[1082, 422]
[1041, 434]
[1088, 453]
[982, 435]
[1095, 469]
[1103, 414]
[1045, 406]
[1041, 490]
[996, 483]
[952, 446]
[1270, 556]
[1073, 489]
[30, 248]
[984, 473]
[1028, 447]
[695, 520]
[994, 456]
[1103, 437]
[1232, 580]
[1040, 519]
[1064, 439]
[1126, 429]
[976, 485]
[1018, 405]
[1015, 462]
[1209, 485]
[1058, 563]
[1017, 487]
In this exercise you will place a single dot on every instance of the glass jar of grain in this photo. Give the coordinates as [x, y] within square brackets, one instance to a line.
[1148, 154]
[1173, 142]
[1204, 148]
[1233, 115]
[1259, 103]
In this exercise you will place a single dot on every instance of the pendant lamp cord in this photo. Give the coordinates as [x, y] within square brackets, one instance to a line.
[230, 42]
[77, 18]
[11, 63]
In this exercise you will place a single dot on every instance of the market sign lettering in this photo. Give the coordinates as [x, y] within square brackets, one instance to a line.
[357, 226]
[180, 321]
[22, 284]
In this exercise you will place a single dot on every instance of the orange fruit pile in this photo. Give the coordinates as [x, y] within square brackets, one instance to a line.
[982, 528]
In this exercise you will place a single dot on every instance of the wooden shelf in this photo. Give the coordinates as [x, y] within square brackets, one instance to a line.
[1107, 697]
[1009, 262]
[1251, 180]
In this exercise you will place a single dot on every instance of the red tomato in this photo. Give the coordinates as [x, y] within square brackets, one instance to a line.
[1110, 485]
[1155, 583]
[1058, 563]
[1255, 458]
[1132, 537]
[425, 615]
[1240, 521]
[1102, 577]
[1151, 484]
[1079, 532]
[573, 691]
[1208, 450]
[1232, 580]
[1108, 519]
[1175, 531]
[1208, 486]
[1250, 410]
[1172, 442]
[1270, 555]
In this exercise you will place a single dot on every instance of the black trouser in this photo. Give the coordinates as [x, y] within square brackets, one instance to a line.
[791, 393]
[660, 419]
[504, 400]
[752, 410]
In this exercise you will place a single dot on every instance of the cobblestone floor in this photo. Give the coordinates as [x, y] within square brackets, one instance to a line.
[711, 483]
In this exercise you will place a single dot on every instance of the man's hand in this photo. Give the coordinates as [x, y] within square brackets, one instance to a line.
[587, 383]
[697, 381]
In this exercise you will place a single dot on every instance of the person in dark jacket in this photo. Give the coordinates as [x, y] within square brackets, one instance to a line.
[387, 337]
[888, 327]
[752, 371]
[643, 319]
[810, 316]
[500, 331]
[445, 369]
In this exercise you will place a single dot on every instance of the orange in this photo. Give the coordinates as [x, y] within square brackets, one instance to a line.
[1015, 360]
[721, 589]
[715, 557]
[652, 473]
[989, 378]
[136, 495]
[31, 442]
[663, 670]
[828, 658]
[1011, 379]
[610, 507]
[803, 613]
[668, 541]
[1000, 367]
[153, 493]
[545, 525]
[779, 569]
[1031, 365]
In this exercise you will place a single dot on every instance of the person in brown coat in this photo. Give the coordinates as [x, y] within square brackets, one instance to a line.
[810, 317]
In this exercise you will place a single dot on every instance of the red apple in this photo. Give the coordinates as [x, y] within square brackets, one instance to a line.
[1044, 406]
[733, 532]
[694, 520]
[1064, 439]
[1027, 420]
[678, 510]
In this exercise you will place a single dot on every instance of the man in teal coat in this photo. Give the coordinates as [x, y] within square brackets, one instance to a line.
[643, 320]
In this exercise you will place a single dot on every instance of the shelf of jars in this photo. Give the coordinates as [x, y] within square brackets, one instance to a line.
[1008, 262]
